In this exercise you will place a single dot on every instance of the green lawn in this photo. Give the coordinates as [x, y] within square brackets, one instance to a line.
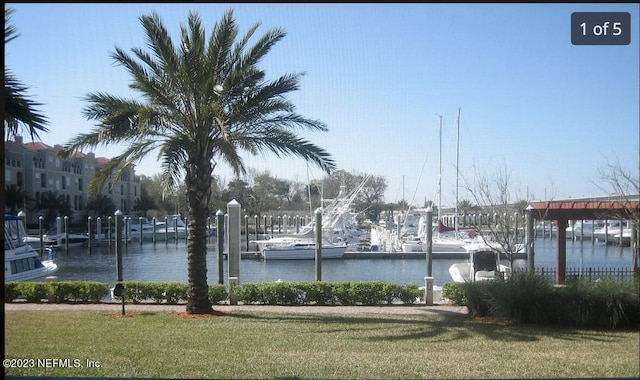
[271, 345]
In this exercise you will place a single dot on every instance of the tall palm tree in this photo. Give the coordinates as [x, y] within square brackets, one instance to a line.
[19, 110]
[15, 198]
[204, 102]
[53, 204]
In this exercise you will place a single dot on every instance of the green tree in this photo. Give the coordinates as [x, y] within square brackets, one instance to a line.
[204, 101]
[101, 205]
[53, 205]
[241, 192]
[144, 203]
[19, 110]
[15, 198]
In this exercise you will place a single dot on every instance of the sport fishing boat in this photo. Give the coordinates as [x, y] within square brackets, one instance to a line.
[21, 261]
[482, 266]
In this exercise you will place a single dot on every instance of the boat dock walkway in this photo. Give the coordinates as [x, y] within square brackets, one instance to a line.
[367, 255]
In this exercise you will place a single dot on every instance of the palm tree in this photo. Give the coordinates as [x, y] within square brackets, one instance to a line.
[101, 205]
[15, 198]
[53, 205]
[204, 102]
[18, 108]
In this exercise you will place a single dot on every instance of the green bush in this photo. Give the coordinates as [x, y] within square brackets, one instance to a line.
[409, 293]
[319, 293]
[174, 292]
[523, 298]
[248, 293]
[343, 294]
[33, 291]
[11, 291]
[217, 293]
[93, 291]
[454, 292]
[282, 293]
[63, 291]
[600, 304]
[529, 298]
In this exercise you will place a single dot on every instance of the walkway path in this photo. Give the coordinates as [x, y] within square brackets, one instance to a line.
[116, 307]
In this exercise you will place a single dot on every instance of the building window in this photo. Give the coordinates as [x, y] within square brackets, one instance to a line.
[64, 183]
[43, 180]
[80, 184]
[19, 179]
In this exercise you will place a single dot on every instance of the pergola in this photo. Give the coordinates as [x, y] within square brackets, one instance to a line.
[563, 211]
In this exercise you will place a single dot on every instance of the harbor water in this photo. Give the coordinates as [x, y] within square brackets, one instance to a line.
[167, 261]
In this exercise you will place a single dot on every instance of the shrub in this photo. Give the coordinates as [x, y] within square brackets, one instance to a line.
[523, 298]
[343, 294]
[62, 291]
[217, 293]
[93, 291]
[528, 298]
[454, 292]
[319, 293]
[33, 291]
[11, 291]
[409, 293]
[174, 292]
[134, 291]
[367, 293]
[248, 293]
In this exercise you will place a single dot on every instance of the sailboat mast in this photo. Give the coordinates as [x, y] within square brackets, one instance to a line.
[440, 178]
[457, 168]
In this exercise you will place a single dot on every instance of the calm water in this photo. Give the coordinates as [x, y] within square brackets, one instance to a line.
[168, 262]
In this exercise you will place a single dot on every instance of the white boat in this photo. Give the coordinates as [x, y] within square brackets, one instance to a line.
[59, 239]
[336, 226]
[583, 229]
[302, 249]
[482, 266]
[608, 231]
[21, 261]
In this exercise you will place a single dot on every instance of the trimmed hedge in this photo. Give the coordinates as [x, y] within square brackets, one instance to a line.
[278, 293]
[327, 293]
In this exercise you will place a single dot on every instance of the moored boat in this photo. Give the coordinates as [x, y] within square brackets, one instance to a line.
[21, 261]
[482, 266]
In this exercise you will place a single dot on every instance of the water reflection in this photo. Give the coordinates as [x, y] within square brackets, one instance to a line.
[168, 262]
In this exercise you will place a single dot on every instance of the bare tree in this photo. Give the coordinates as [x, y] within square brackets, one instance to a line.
[503, 231]
[616, 179]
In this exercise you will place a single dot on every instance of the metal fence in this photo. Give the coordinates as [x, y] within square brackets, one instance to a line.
[588, 274]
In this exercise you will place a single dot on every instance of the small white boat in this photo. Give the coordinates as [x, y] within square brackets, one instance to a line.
[482, 266]
[59, 239]
[583, 229]
[21, 261]
[302, 250]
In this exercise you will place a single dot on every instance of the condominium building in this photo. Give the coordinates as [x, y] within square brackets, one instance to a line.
[35, 168]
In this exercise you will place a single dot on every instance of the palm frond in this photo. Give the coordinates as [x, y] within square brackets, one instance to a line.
[20, 110]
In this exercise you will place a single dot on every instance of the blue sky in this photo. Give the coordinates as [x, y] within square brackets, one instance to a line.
[379, 76]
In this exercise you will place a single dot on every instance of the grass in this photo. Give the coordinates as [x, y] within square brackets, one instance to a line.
[297, 346]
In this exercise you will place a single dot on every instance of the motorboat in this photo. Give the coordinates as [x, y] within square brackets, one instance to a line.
[21, 261]
[57, 238]
[482, 266]
[608, 231]
[583, 229]
[302, 249]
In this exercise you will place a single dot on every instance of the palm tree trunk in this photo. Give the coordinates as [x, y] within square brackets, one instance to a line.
[198, 181]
